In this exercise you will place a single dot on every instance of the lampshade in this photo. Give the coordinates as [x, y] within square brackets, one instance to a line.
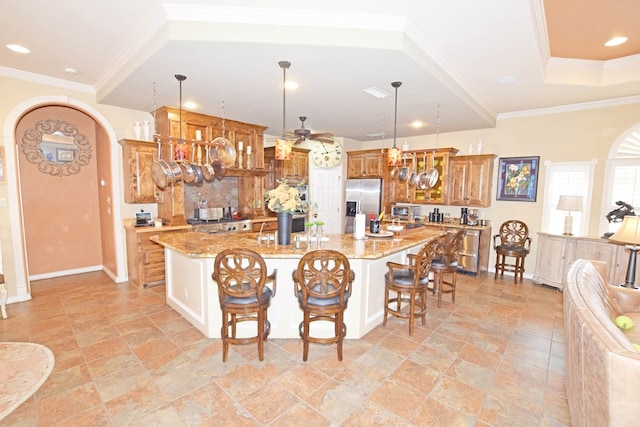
[283, 149]
[570, 203]
[629, 231]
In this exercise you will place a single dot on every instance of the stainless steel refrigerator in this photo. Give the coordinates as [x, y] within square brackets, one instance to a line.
[362, 196]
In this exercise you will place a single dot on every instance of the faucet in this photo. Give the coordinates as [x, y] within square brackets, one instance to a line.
[260, 235]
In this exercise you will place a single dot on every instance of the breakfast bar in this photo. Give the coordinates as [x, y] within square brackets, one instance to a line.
[189, 262]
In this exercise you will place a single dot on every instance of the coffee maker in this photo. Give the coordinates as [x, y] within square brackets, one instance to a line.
[472, 217]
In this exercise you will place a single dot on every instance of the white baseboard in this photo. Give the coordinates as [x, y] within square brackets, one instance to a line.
[61, 273]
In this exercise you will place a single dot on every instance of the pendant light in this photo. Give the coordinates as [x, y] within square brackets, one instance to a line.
[181, 152]
[395, 153]
[283, 146]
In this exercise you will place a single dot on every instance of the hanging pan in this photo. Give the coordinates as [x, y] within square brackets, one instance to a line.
[175, 167]
[404, 171]
[207, 170]
[413, 173]
[430, 178]
[188, 169]
[160, 171]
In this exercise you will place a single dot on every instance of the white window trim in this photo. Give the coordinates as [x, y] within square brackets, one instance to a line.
[549, 205]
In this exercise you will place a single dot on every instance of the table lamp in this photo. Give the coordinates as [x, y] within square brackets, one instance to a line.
[629, 232]
[569, 204]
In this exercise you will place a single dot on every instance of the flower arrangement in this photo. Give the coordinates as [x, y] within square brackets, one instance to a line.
[517, 179]
[284, 199]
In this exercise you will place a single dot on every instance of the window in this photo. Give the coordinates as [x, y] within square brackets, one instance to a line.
[623, 176]
[572, 179]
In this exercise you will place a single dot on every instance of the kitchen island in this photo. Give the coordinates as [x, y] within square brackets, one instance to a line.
[189, 259]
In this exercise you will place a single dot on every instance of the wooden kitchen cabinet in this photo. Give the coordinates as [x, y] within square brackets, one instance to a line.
[366, 164]
[250, 180]
[556, 253]
[470, 180]
[294, 169]
[145, 259]
[425, 160]
[138, 184]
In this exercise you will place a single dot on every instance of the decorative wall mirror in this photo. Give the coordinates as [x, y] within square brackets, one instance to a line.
[56, 147]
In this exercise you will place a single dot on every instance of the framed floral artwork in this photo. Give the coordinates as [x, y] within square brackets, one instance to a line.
[518, 179]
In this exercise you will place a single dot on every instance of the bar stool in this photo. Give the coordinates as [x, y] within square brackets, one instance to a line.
[241, 275]
[444, 262]
[322, 284]
[410, 284]
[513, 241]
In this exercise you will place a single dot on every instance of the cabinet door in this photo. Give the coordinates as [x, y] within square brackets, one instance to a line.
[139, 186]
[551, 261]
[479, 182]
[373, 165]
[437, 193]
[355, 166]
[598, 251]
[470, 180]
[458, 184]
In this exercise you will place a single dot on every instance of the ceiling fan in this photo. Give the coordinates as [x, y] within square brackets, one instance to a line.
[304, 134]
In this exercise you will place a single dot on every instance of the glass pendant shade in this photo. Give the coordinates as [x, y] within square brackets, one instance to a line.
[283, 149]
[394, 156]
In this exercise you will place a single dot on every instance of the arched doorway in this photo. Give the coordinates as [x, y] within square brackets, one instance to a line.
[113, 262]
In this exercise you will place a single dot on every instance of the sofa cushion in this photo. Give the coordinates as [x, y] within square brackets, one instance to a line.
[602, 368]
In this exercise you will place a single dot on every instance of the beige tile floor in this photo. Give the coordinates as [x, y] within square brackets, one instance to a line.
[123, 357]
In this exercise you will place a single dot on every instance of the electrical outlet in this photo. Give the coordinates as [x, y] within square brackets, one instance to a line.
[3, 202]
[186, 294]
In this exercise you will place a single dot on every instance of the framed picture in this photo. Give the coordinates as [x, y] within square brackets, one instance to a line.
[64, 155]
[518, 179]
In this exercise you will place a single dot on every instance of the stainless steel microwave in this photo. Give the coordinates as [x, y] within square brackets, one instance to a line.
[405, 211]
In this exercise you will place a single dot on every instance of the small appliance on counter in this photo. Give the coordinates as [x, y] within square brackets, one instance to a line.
[405, 211]
[143, 219]
[472, 217]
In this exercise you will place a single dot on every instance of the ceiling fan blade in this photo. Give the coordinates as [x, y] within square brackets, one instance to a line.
[321, 135]
[325, 140]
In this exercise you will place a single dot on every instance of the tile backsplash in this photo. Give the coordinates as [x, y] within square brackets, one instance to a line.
[218, 193]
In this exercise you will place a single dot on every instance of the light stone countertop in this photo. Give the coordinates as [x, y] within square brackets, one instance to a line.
[203, 245]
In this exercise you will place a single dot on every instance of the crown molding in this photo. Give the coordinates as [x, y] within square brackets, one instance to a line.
[45, 80]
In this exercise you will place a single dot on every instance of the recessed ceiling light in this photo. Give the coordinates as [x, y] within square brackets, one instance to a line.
[417, 124]
[190, 105]
[291, 85]
[18, 48]
[508, 80]
[375, 92]
[616, 41]
[71, 71]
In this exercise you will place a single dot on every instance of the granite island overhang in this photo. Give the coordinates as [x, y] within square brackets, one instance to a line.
[189, 262]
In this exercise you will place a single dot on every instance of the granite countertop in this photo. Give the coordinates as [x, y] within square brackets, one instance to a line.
[444, 225]
[152, 229]
[203, 245]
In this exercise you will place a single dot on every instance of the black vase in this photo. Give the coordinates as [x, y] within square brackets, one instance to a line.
[285, 222]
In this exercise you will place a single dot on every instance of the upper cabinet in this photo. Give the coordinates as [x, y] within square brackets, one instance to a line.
[210, 127]
[138, 184]
[194, 125]
[296, 168]
[424, 160]
[366, 164]
[470, 183]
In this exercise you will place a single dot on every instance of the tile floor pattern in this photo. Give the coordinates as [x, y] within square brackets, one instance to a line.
[123, 357]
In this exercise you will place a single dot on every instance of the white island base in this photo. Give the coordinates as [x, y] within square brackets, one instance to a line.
[192, 292]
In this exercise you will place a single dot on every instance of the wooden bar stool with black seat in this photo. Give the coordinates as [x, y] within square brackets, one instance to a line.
[410, 283]
[322, 284]
[512, 241]
[445, 262]
[241, 275]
